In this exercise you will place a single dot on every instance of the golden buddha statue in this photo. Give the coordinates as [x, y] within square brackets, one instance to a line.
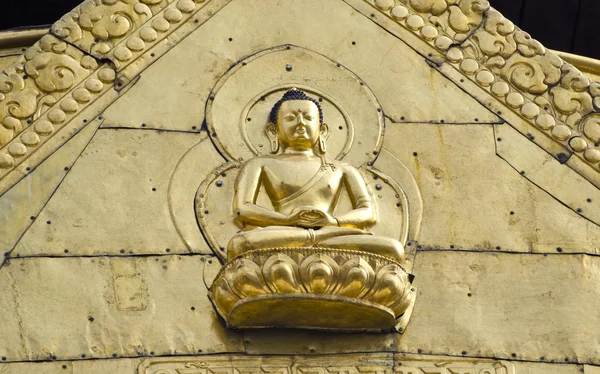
[304, 187]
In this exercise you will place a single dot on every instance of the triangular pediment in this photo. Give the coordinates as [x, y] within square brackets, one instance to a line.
[469, 42]
[154, 65]
[124, 129]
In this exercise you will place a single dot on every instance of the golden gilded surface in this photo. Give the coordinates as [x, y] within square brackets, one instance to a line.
[519, 75]
[351, 364]
[304, 187]
[108, 240]
[264, 283]
[552, 96]
[316, 288]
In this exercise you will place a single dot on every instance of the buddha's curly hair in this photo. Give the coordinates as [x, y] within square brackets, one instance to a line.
[293, 94]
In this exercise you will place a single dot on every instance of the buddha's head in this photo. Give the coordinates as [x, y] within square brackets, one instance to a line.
[296, 121]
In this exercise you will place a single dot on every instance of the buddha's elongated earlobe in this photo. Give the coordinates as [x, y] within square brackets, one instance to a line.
[323, 135]
[271, 131]
[322, 144]
[274, 145]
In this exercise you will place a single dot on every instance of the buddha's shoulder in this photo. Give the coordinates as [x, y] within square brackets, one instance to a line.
[260, 161]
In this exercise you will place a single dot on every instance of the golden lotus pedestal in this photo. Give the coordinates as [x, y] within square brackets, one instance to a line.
[312, 288]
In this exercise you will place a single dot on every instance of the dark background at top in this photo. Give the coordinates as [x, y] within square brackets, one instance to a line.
[565, 25]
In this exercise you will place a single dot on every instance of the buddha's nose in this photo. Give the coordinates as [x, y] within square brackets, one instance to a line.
[301, 120]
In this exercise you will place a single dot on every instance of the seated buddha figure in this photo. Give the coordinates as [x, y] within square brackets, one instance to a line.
[304, 187]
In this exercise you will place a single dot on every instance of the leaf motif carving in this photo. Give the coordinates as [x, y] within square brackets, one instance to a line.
[390, 283]
[357, 278]
[281, 274]
[247, 280]
[319, 273]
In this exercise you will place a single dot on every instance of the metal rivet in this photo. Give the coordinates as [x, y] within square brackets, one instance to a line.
[378, 186]
[288, 67]
[219, 183]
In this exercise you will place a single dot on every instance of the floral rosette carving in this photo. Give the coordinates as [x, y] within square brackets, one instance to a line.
[37, 81]
[322, 272]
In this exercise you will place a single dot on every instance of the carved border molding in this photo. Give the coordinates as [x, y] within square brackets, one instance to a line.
[88, 47]
[121, 30]
[550, 95]
[338, 364]
[84, 54]
[41, 93]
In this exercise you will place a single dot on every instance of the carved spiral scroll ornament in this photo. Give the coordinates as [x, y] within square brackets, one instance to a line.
[551, 95]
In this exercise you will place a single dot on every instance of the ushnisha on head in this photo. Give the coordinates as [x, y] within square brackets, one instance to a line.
[296, 121]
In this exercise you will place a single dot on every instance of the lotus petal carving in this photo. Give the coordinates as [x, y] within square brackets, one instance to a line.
[308, 278]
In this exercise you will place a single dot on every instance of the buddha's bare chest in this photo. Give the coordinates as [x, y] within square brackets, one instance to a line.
[284, 178]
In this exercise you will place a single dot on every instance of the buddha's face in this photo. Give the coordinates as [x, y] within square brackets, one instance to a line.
[298, 123]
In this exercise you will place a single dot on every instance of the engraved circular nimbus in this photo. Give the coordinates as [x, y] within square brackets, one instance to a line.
[238, 107]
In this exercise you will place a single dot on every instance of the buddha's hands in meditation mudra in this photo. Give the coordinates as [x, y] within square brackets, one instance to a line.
[304, 188]
[306, 216]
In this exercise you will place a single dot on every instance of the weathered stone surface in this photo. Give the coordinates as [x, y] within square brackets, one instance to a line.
[96, 307]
